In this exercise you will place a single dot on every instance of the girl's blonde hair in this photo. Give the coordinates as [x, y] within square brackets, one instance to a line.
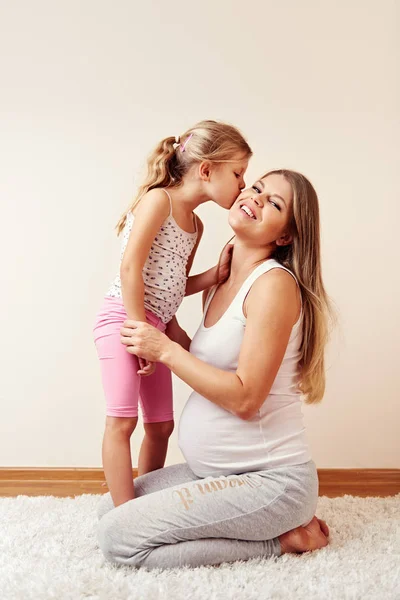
[303, 258]
[173, 157]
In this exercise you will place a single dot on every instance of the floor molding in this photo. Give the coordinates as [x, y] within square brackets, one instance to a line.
[64, 482]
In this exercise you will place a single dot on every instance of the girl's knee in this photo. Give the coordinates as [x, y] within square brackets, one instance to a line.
[123, 426]
[159, 430]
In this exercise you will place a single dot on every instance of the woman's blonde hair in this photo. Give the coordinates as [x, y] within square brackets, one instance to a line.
[303, 258]
[173, 157]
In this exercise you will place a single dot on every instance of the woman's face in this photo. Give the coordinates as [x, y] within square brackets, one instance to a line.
[263, 212]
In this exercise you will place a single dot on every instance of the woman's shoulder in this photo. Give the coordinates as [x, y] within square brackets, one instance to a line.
[275, 280]
[275, 285]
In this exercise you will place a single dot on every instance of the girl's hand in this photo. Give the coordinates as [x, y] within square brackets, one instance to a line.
[146, 367]
[145, 341]
[224, 263]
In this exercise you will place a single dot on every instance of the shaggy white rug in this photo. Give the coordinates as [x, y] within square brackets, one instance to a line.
[48, 550]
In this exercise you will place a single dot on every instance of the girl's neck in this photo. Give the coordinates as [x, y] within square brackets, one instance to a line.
[189, 195]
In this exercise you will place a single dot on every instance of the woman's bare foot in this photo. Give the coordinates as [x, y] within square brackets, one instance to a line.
[303, 539]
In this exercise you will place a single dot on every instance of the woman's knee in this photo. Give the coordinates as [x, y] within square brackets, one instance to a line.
[106, 539]
[159, 431]
[105, 505]
[110, 538]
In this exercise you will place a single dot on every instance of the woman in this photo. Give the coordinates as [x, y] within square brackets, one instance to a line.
[249, 487]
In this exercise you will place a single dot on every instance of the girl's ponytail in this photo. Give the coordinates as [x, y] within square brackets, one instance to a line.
[159, 173]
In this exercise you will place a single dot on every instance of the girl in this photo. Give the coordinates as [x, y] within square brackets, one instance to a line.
[160, 238]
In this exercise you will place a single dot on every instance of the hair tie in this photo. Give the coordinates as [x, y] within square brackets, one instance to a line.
[183, 146]
[177, 139]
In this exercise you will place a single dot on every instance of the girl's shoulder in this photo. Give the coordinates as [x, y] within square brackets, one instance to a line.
[153, 200]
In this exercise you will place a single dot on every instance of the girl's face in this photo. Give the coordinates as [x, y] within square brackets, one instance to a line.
[263, 212]
[225, 181]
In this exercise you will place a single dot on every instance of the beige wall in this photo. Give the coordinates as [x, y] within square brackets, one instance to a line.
[87, 88]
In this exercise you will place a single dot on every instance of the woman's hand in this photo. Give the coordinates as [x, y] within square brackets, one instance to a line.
[145, 341]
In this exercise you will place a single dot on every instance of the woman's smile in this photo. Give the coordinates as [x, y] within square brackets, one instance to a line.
[249, 210]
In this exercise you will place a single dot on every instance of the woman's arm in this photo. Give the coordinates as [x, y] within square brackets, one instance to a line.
[272, 308]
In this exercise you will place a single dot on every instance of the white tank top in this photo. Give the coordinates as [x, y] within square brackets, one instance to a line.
[164, 272]
[216, 442]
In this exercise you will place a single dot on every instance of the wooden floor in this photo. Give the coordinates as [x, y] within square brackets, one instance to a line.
[51, 488]
[76, 481]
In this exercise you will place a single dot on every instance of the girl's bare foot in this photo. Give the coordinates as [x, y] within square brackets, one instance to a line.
[303, 539]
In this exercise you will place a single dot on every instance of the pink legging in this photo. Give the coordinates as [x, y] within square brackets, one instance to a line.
[123, 387]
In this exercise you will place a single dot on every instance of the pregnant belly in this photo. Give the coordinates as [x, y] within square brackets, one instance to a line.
[216, 442]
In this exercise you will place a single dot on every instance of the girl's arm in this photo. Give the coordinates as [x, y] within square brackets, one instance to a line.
[175, 332]
[197, 283]
[217, 274]
[202, 281]
[151, 212]
[272, 307]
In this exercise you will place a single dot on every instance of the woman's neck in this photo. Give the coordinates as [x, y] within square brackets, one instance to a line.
[245, 259]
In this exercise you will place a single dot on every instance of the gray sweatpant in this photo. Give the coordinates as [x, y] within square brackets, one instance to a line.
[179, 519]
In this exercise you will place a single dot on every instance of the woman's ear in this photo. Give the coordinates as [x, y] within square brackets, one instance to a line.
[284, 240]
[205, 170]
